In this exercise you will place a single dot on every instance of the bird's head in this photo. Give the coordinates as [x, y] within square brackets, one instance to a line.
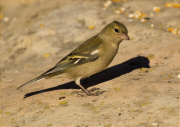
[115, 31]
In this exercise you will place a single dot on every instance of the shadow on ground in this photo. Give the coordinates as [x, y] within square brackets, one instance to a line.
[107, 74]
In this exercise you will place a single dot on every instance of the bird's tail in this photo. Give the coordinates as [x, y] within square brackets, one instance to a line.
[31, 81]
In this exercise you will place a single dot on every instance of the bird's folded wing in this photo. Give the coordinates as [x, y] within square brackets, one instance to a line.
[71, 61]
[81, 55]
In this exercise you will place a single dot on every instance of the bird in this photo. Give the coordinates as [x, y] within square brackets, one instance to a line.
[91, 57]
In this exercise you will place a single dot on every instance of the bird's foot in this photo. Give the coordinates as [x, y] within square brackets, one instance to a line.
[79, 93]
[96, 91]
[92, 92]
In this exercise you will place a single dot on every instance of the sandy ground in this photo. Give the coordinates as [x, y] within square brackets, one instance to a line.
[141, 84]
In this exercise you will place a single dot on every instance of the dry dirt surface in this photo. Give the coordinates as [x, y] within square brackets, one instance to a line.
[140, 88]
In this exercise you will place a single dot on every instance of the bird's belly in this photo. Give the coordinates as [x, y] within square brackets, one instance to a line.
[91, 68]
[86, 70]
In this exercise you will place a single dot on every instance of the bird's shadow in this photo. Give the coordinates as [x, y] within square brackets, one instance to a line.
[107, 74]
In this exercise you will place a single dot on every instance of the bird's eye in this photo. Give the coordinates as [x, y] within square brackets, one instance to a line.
[116, 30]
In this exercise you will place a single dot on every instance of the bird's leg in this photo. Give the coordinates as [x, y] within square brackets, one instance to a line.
[77, 81]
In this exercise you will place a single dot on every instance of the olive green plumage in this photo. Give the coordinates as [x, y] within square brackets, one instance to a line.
[91, 57]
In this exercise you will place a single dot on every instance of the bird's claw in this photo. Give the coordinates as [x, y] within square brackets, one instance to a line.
[94, 89]
[97, 93]
[92, 92]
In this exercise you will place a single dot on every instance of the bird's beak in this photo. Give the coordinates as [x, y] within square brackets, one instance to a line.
[124, 37]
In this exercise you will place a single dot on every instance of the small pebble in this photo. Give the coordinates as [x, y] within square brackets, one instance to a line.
[117, 12]
[152, 25]
[6, 19]
[156, 9]
[123, 9]
[178, 76]
[155, 124]
[143, 20]
[107, 3]
[119, 114]
[131, 15]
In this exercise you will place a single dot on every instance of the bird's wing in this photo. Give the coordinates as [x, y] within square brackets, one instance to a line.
[81, 55]
[71, 61]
